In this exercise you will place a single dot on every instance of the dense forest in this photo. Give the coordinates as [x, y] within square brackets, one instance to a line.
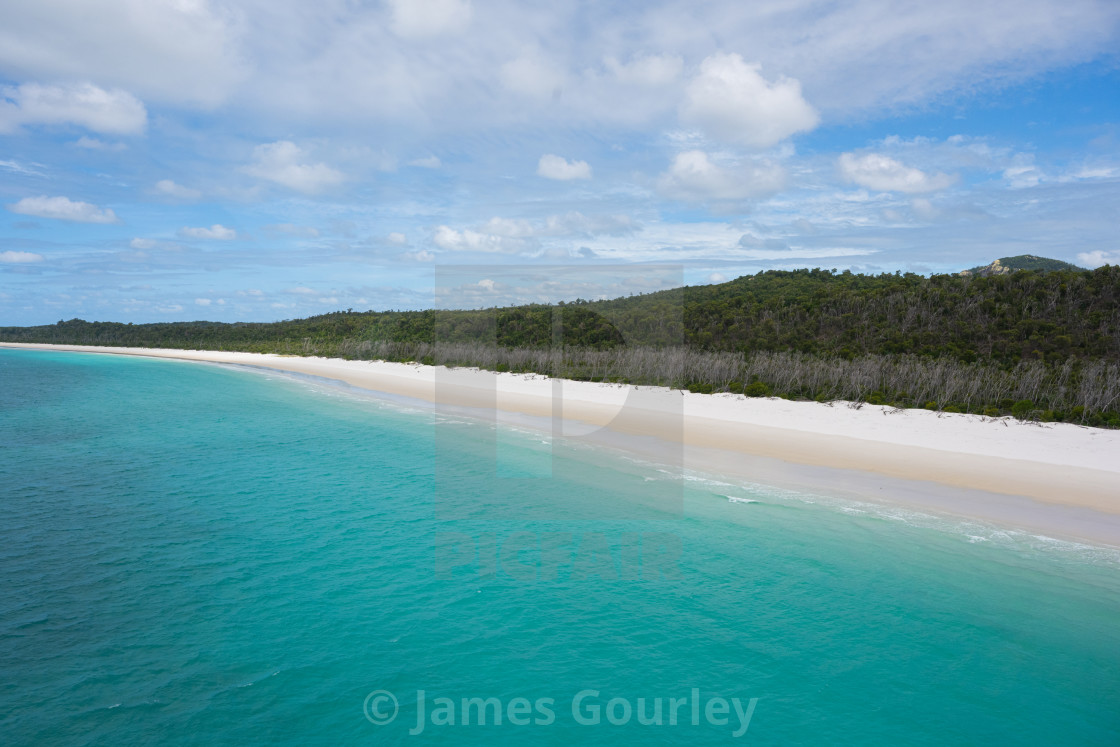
[1033, 343]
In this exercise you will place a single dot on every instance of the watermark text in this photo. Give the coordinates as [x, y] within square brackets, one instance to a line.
[588, 707]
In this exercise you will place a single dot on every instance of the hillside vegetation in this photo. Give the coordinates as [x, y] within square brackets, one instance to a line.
[1038, 344]
[1004, 265]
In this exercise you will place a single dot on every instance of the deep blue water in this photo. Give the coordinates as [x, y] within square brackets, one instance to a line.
[192, 554]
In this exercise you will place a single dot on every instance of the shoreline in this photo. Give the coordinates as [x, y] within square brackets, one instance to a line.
[1057, 478]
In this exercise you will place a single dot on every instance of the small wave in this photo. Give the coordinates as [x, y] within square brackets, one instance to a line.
[705, 480]
[967, 530]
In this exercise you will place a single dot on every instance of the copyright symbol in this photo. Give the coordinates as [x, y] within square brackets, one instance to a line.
[380, 707]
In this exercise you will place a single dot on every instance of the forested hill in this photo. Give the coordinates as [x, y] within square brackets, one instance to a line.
[1004, 265]
[1033, 344]
[1004, 319]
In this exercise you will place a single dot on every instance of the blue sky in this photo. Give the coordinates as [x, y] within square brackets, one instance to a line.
[258, 160]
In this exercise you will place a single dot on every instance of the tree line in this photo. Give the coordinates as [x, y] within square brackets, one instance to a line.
[1042, 345]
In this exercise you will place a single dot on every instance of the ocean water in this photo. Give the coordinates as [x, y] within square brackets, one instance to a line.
[195, 554]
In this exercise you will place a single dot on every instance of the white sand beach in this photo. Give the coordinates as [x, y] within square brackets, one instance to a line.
[1059, 479]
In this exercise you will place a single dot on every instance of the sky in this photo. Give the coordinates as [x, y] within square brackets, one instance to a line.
[257, 160]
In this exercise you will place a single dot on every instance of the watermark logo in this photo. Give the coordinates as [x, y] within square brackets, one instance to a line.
[584, 348]
[530, 557]
[586, 708]
[381, 707]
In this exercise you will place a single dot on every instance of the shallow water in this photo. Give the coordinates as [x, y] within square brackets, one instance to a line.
[196, 554]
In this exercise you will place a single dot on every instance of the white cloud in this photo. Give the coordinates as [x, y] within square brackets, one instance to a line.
[417, 19]
[184, 51]
[1022, 173]
[312, 63]
[421, 256]
[62, 208]
[508, 227]
[476, 241]
[92, 143]
[731, 101]
[1093, 172]
[717, 277]
[282, 162]
[1096, 259]
[894, 53]
[178, 191]
[216, 232]
[516, 235]
[750, 241]
[429, 162]
[346, 62]
[143, 244]
[202, 301]
[557, 167]
[884, 174]
[11, 257]
[19, 168]
[86, 105]
[694, 177]
[397, 238]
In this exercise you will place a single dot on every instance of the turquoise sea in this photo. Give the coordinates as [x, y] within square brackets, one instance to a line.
[195, 554]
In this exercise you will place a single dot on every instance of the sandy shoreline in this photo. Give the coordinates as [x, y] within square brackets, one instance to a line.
[1060, 479]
